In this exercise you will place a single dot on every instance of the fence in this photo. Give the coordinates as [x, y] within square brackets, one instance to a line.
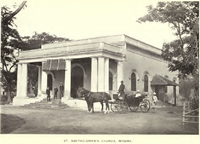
[190, 115]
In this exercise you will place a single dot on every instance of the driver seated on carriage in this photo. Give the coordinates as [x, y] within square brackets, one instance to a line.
[121, 93]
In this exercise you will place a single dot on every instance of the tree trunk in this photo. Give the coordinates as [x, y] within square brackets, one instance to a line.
[6, 19]
[9, 93]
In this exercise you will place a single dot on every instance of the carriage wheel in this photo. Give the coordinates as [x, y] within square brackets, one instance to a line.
[133, 108]
[123, 107]
[145, 106]
[114, 106]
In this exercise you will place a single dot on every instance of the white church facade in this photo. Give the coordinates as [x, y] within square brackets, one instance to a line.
[97, 64]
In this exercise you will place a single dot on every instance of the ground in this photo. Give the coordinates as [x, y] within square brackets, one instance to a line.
[20, 120]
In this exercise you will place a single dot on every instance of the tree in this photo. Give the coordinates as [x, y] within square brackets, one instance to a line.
[182, 53]
[12, 42]
[8, 34]
[37, 40]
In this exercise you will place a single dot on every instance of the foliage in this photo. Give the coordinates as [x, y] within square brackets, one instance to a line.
[9, 33]
[182, 53]
[37, 40]
[12, 42]
[186, 87]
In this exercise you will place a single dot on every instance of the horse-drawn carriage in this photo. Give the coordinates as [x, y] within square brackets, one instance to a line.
[123, 104]
[118, 105]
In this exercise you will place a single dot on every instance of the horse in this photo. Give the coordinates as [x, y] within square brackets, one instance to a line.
[92, 97]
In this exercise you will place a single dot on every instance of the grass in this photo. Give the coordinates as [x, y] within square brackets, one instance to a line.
[10, 123]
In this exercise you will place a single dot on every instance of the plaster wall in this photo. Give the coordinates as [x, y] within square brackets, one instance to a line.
[142, 63]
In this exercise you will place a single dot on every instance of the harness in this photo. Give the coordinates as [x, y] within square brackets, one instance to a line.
[88, 94]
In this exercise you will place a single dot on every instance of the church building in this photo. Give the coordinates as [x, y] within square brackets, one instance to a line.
[98, 64]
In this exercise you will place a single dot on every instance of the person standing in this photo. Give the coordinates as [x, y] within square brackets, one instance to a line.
[121, 90]
[154, 98]
[48, 94]
[55, 92]
[61, 89]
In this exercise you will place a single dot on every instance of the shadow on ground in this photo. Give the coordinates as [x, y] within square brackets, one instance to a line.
[9, 123]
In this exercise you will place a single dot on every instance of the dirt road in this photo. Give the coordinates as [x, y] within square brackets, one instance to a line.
[18, 120]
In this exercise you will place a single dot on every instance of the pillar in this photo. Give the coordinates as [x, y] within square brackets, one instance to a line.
[107, 75]
[23, 81]
[101, 73]
[19, 77]
[44, 82]
[94, 75]
[67, 81]
[120, 76]
[39, 80]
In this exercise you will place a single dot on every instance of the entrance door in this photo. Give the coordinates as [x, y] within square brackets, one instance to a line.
[76, 80]
[49, 81]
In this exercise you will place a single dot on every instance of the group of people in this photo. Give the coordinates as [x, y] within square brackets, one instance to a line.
[138, 94]
[55, 92]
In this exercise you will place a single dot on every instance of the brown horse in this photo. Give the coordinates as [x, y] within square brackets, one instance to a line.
[92, 97]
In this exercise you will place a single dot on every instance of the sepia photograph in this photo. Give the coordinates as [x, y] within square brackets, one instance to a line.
[99, 71]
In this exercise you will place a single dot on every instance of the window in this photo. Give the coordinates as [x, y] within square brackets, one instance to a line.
[146, 81]
[110, 81]
[133, 82]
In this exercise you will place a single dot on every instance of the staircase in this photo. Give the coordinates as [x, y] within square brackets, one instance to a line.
[53, 104]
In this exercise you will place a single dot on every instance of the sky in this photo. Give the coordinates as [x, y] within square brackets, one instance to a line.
[80, 19]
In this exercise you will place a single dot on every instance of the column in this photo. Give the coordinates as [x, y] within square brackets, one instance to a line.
[39, 80]
[23, 81]
[94, 75]
[19, 77]
[120, 75]
[101, 73]
[44, 81]
[67, 82]
[107, 75]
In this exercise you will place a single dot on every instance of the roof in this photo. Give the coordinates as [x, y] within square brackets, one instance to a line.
[160, 80]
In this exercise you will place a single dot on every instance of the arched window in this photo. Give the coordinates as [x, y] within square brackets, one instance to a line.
[110, 81]
[133, 82]
[146, 81]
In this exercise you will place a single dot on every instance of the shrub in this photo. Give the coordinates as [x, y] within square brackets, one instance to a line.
[186, 87]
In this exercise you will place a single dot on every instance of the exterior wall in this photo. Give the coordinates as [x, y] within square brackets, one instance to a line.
[144, 62]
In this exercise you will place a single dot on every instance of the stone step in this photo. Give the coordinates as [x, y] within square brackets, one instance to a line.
[53, 104]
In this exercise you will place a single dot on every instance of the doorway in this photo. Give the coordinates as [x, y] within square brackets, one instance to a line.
[76, 80]
[49, 81]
